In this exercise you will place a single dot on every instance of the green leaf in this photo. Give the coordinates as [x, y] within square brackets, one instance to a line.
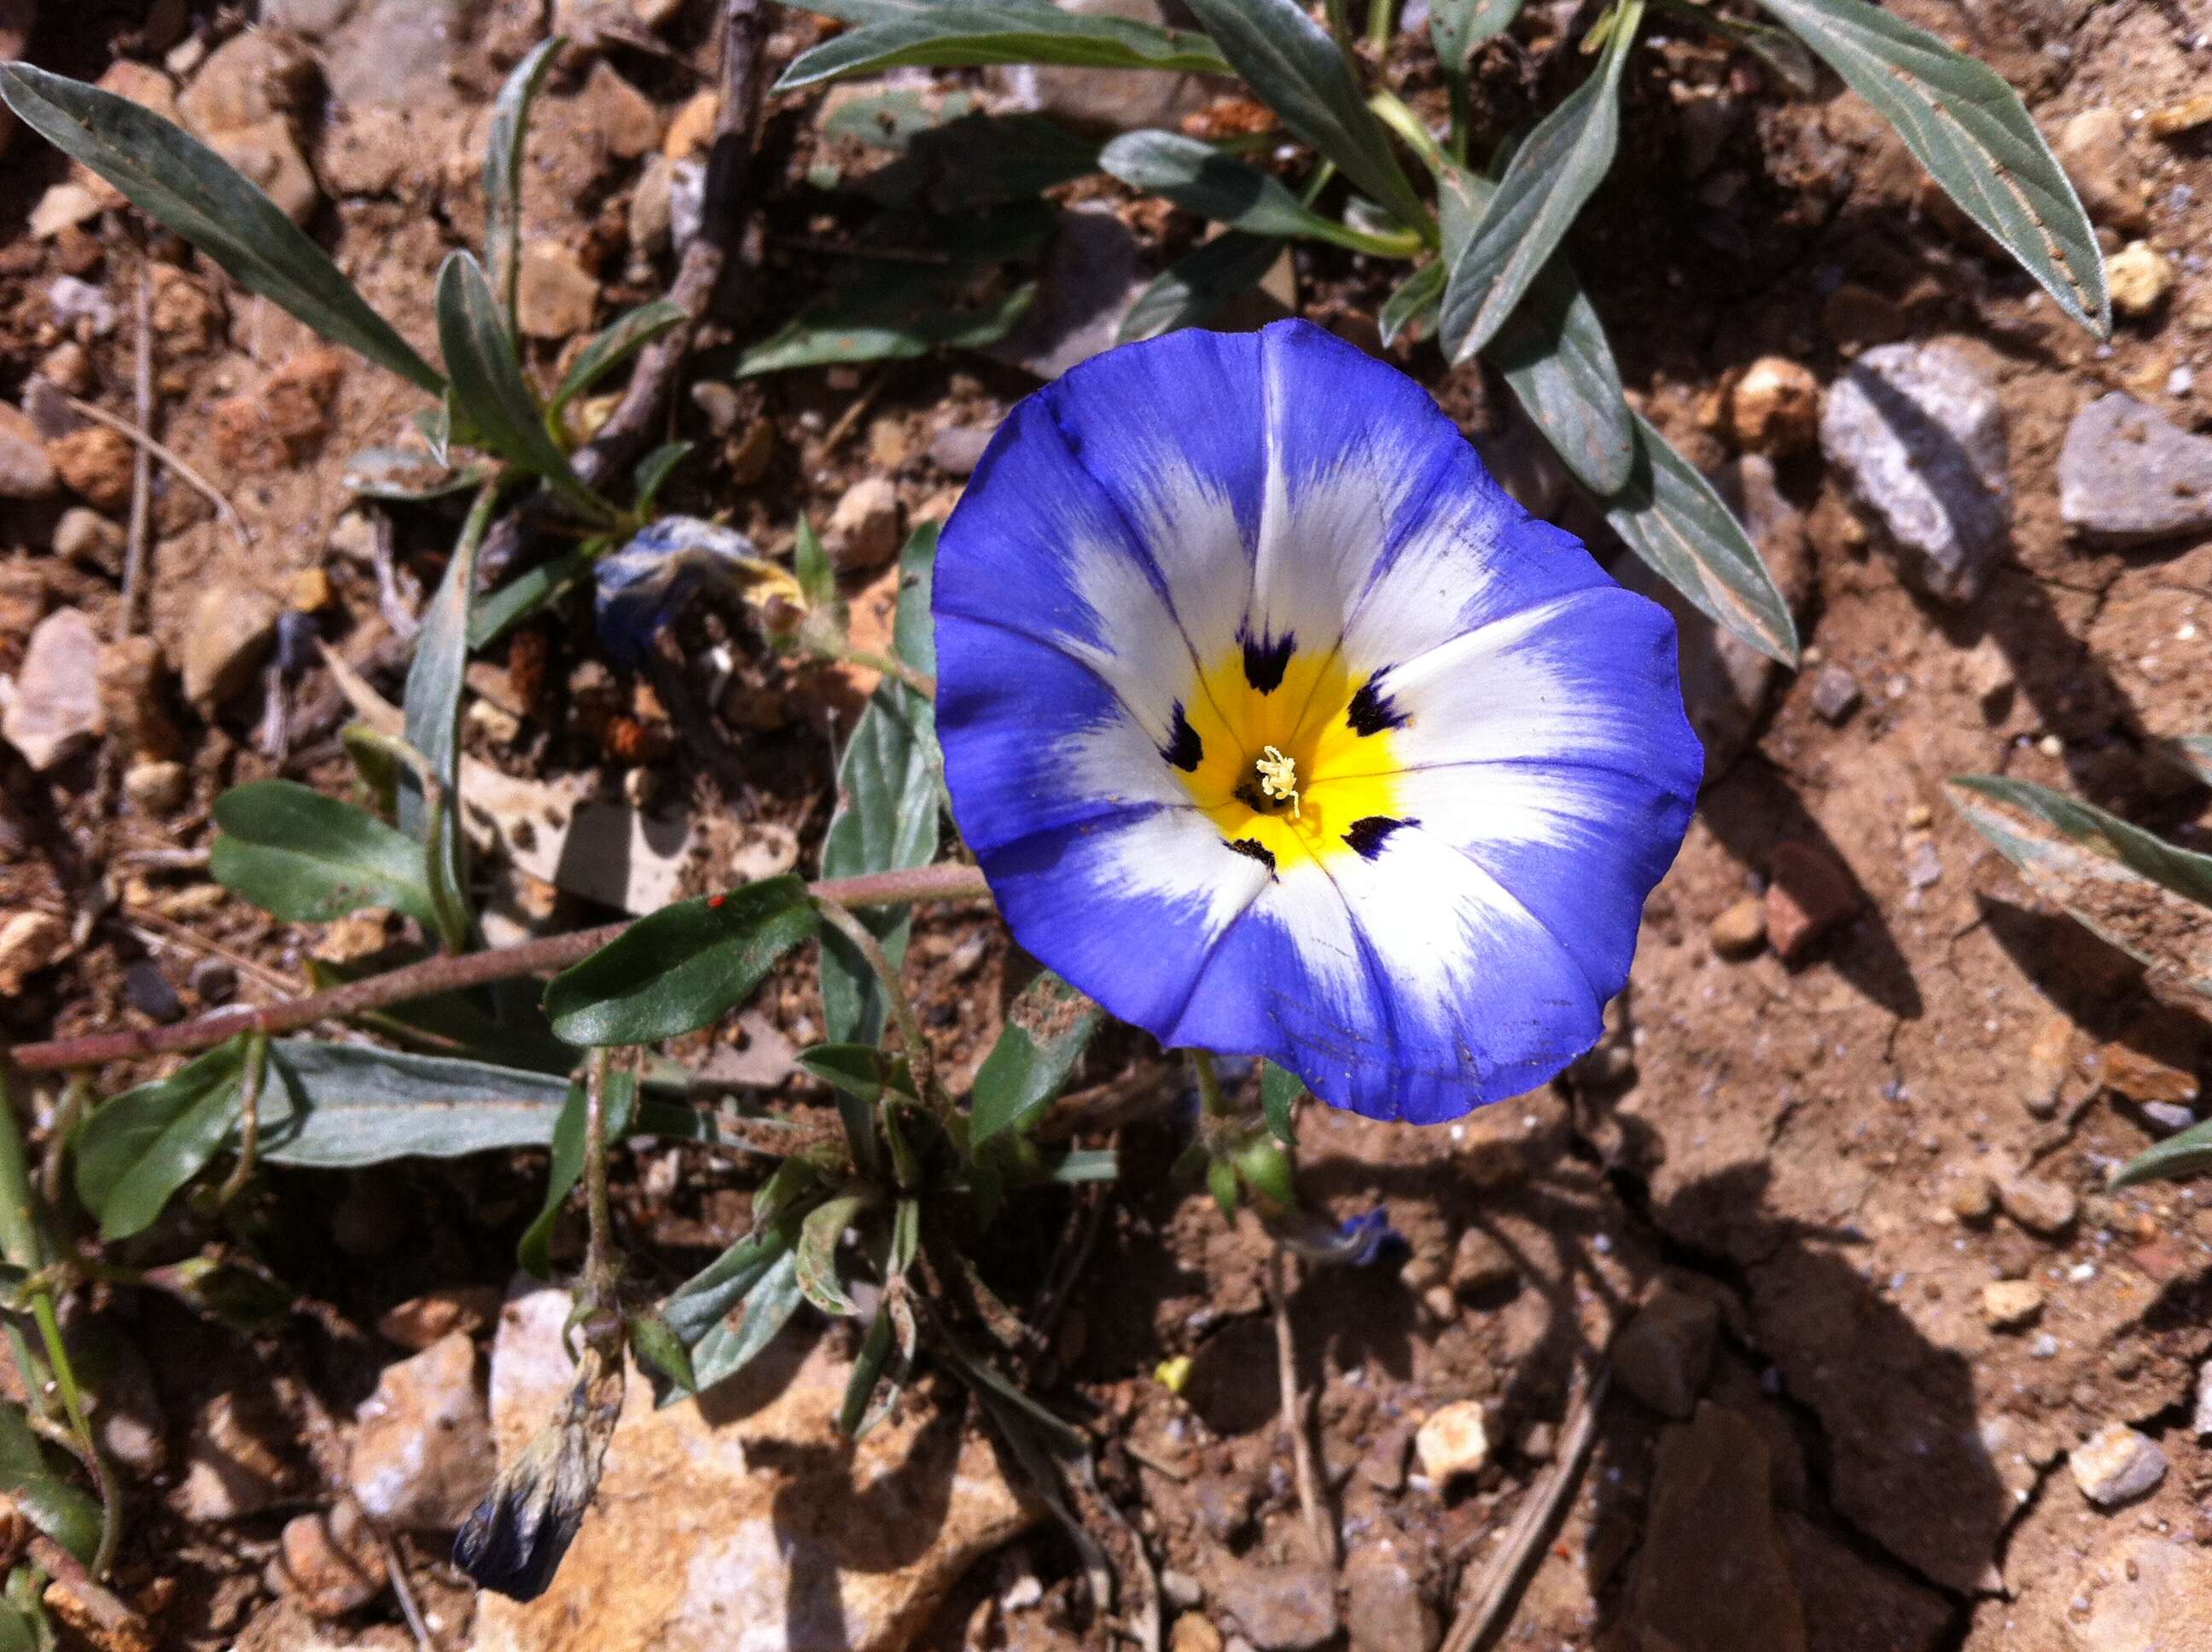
[880, 1362]
[631, 332]
[886, 821]
[2140, 893]
[502, 177]
[703, 1301]
[1545, 185]
[1200, 179]
[2178, 1155]
[1293, 65]
[682, 967]
[533, 589]
[1046, 1030]
[310, 859]
[1279, 1091]
[186, 186]
[914, 627]
[962, 33]
[1191, 291]
[811, 565]
[874, 324]
[1072, 1165]
[654, 469]
[54, 1504]
[1411, 305]
[1777, 48]
[1670, 516]
[405, 475]
[667, 1362]
[339, 1105]
[860, 1071]
[1267, 1171]
[1456, 27]
[490, 391]
[533, 1250]
[1553, 352]
[136, 1151]
[727, 1349]
[1221, 1182]
[818, 1238]
[1970, 130]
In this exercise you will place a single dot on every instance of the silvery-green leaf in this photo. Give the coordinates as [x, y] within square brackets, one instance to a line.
[1545, 185]
[1970, 130]
[1200, 179]
[139, 1148]
[961, 34]
[631, 332]
[1048, 1029]
[1456, 27]
[1669, 515]
[2178, 1155]
[311, 858]
[2148, 898]
[337, 1105]
[1291, 63]
[182, 184]
[1192, 290]
[1411, 305]
[510, 126]
[1554, 354]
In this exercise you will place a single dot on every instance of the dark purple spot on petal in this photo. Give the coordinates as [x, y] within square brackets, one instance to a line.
[1265, 658]
[1254, 849]
[1372, 710]
[1367, 834]
[1183, 748]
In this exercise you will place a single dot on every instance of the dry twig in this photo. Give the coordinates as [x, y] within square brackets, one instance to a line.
[200, 484]
[1311, 1501]
[141, 459]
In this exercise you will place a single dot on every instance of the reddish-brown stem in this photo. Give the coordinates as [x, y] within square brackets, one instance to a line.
[947, 881]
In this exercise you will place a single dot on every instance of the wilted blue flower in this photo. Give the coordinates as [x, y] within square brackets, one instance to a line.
[669, 565]
[1279, 728]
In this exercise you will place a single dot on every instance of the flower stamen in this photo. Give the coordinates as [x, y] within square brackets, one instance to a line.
[1279, 777]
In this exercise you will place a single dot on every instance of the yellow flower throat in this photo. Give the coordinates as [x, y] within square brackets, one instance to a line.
[1293, 759]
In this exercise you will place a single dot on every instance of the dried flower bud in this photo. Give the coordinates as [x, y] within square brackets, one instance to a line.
[514, 1540]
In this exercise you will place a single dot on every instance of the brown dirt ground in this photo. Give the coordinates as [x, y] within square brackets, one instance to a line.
[1786, 1139]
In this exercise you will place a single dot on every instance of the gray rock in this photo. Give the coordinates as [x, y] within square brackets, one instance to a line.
[422, 1448]
[230, 635]
[26, 473]
[396, 52]
[958, 449]
[863, 531]
[1091, 278]
[85, 536]
[1282, 1608]
[56, 709]
[1384, 1608]
[1663, 1354]
[1835, 694]
[2168, 1117]
[2047, 1208]
[1918, 434]
[2201, 1422]
[2117, 1465]
[1102, 101]
[147, 990]
[2127, 476]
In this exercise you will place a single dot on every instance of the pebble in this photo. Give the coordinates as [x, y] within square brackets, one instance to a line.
[1182, 1590]
[1973, 1198]
[2184, 116]
[212, 981]
[29, 941]
[2044, 1208]
[1385, 1610]
[863, 531]
[1193, 1633]
[1985, 671]
[2128, 476]
[1809, 895]
[26, 473]
[1284, 1608]
[1740, 931]
[85, 536]
[147, 990]
[958, 449]
[1835, 694]
[230, 634]
[648, 223]
[2011, 1305]
[2140, 276]
[1916, 433]
[1924, 867]
[55, 712]
[2117, 1465]
[2050, 1059]
[80, 307]
[331, 1563]
[2093, 148]
[2168, 1117]
[1481, 1262]
[422, 1453]
[130, 675]
[231, 1465]
[94, 463]
[1663, 1355]
[1452, 1440]
[2141, 1077]
[2201, 1424]
[1774, 408]
[555, 297]
[156, 787]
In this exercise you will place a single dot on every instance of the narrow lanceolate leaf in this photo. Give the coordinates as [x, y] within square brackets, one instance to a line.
[1046, 1031]
[1412, 306]
[681, 969]
[2147, 897]
[188, 188]
[490, 390]
[2179, 1156]
[1191, 291]
[510, 126]
[1545, 185]
[46, 1496]
[136, 1151]
[309, 859]
[886, 820]
[705, 1299]
[960, 33]
[1293, 65]
[1554, 354]
[1200, 179]
[1456, 27]
[632, 331]
[1970, 130]
[730, 1345]
[818, 1236]
[1279, 1091]
[1669, 515]
[339, 1105]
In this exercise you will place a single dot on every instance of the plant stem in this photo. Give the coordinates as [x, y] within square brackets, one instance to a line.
[1339, 25]
[1380, 17]
[1212, 1103]
[889, 665]
[948, 880]
[1399, 117]
[920, 1062]
[599, 1264]
[249, 1119]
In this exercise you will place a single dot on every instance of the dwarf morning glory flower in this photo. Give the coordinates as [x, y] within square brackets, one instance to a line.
[1279, 729]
